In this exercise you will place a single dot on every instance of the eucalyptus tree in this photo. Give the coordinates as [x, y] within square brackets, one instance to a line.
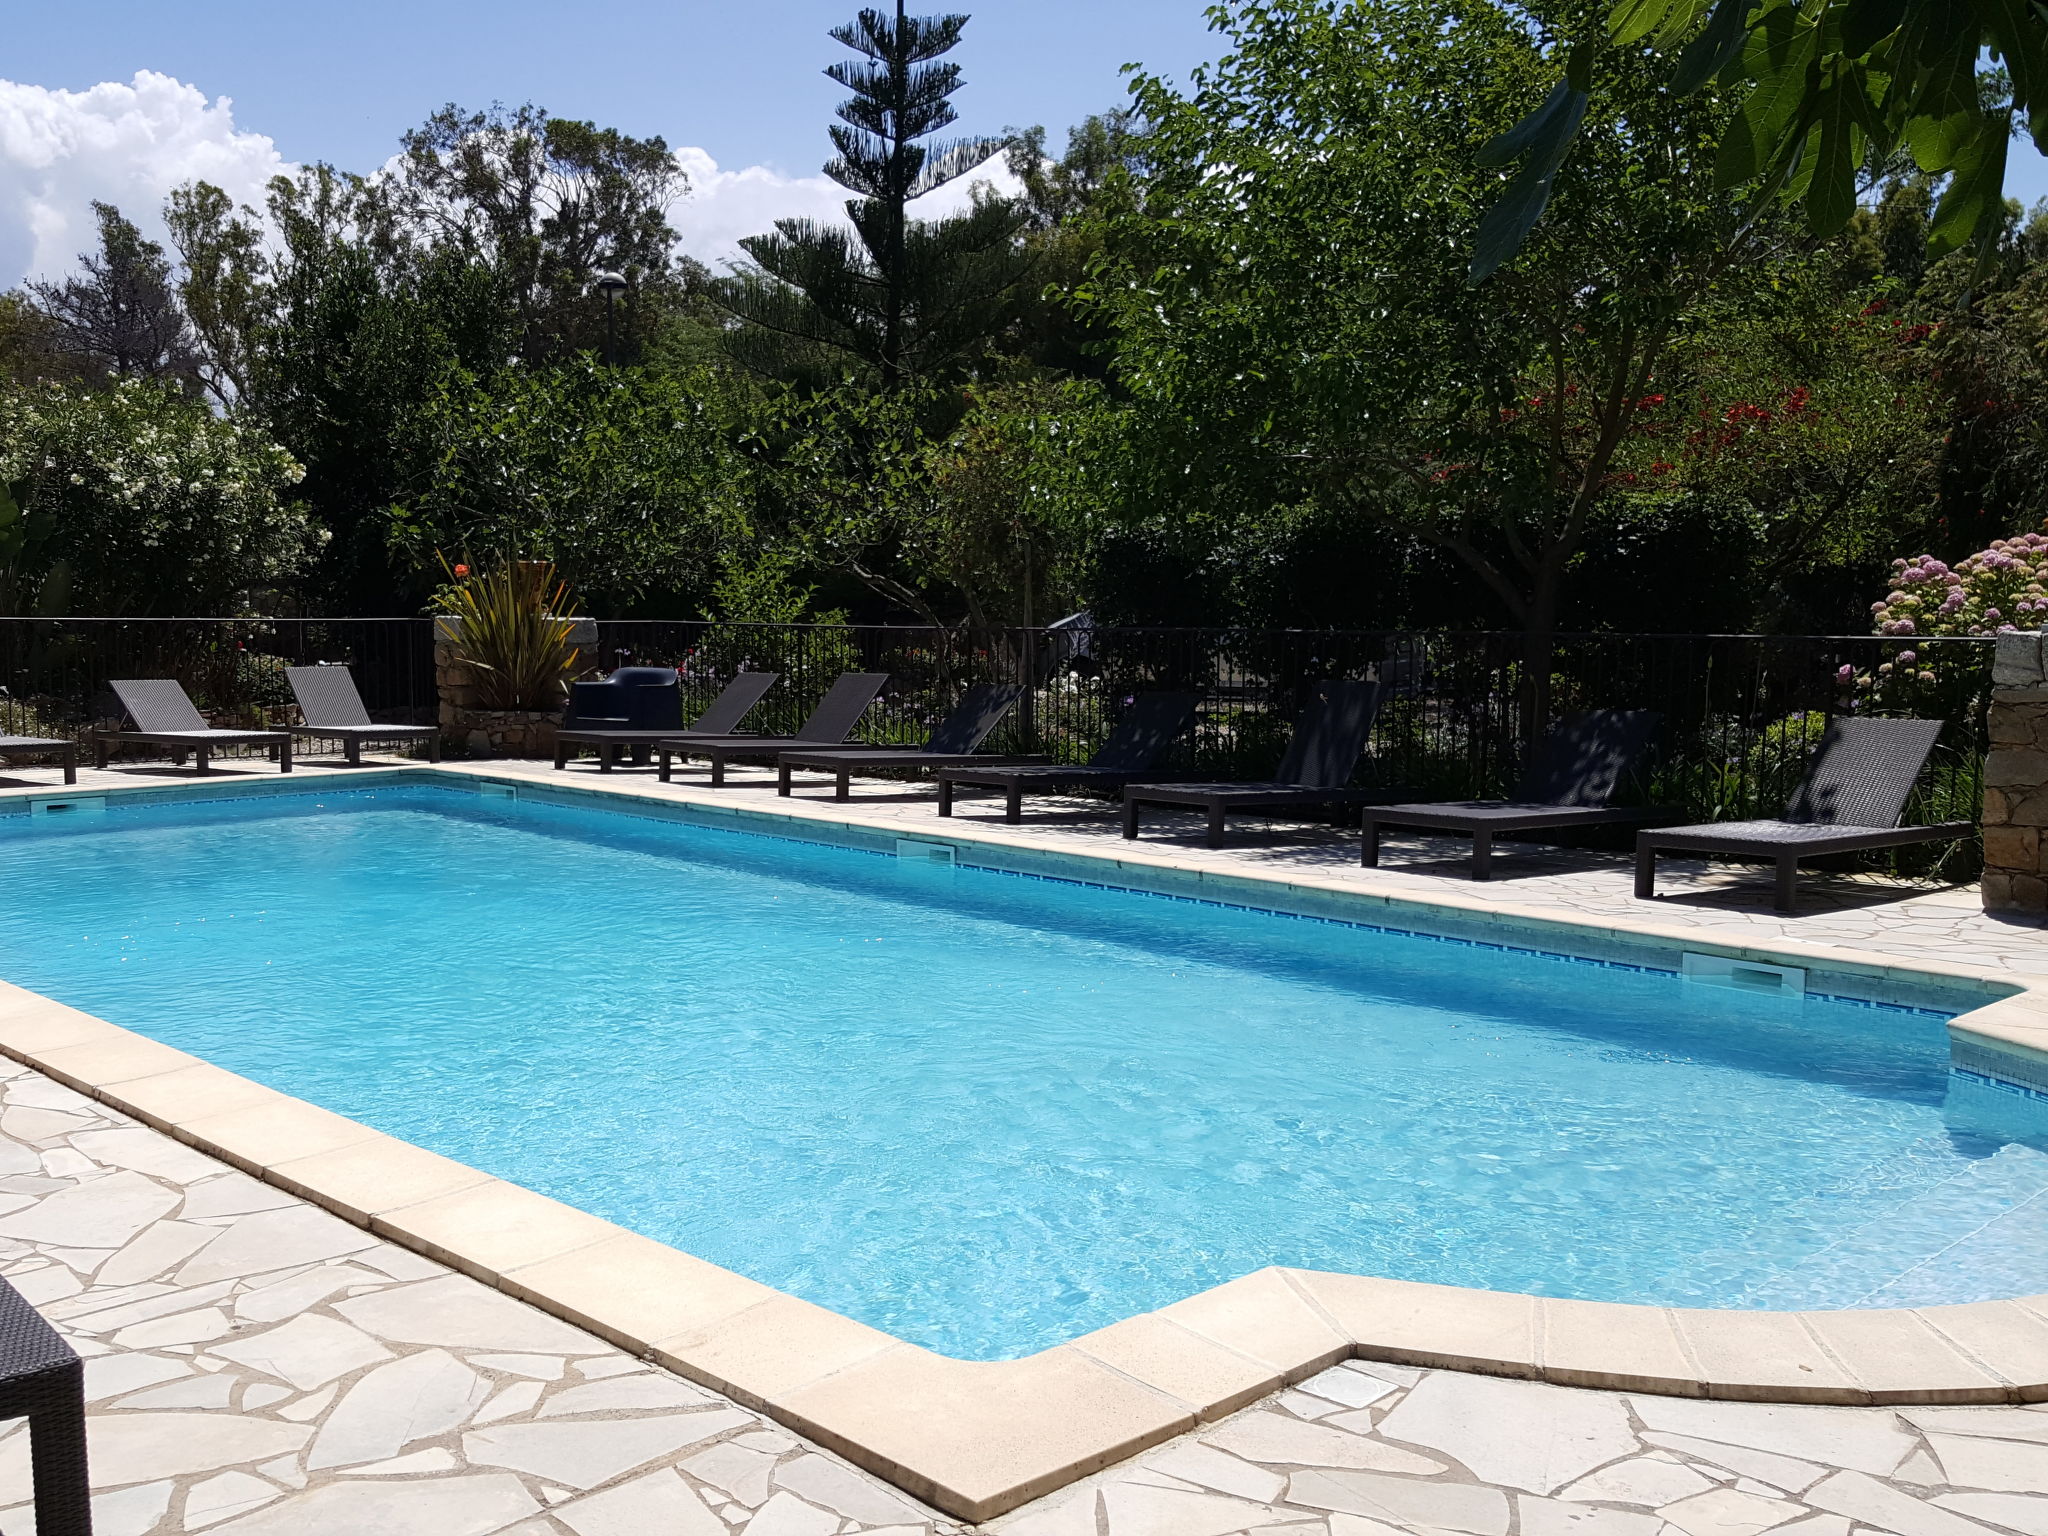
[901, 296]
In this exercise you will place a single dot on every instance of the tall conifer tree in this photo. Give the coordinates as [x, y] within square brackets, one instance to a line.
[907, 297]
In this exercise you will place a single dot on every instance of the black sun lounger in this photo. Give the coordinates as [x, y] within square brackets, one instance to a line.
[333, 711]
[1146, 734]
[639, 707]
[164, 717]
[827, 726]
[1328, 738]
[951, 743]
[66, 752]
[1569, 780]
[1853, 795]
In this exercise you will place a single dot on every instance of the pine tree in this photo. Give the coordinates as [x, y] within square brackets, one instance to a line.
[906, 297]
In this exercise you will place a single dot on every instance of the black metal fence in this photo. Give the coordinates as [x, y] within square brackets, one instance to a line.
[1741, 711]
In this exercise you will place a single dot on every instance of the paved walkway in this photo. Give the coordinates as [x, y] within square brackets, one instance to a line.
[259, 1368]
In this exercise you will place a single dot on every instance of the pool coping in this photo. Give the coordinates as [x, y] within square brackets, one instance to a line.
[978, 1439]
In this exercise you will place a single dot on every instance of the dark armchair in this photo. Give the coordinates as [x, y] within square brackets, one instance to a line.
[631, 699]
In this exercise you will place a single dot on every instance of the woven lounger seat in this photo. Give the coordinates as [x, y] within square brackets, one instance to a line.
[43, 1380]
[66, 752]
[1851, 800]
[164, 717]
[1144, 735]
[952, 741]
[827, 726]
[1570, 778]
[333, 710]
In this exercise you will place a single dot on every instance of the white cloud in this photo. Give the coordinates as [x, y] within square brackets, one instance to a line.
[131, 144]
[123, 144]
[726, 206]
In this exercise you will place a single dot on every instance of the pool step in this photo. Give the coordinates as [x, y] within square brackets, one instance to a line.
[1980, 1234]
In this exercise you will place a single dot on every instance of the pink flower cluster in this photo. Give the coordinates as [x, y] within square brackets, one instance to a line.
[1996, 591]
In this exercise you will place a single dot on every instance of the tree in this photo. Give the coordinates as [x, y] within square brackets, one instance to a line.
[1290, 331]
[1826, 87]
[547, 203]
[907, 298]
[630, 481]
[221, 283]
[136, 499]
[120, 319]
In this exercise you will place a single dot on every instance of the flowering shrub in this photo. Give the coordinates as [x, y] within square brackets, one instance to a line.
[1994, 592]
[135, 499]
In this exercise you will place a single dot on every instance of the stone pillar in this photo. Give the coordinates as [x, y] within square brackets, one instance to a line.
[464, 720]
[2016, 778]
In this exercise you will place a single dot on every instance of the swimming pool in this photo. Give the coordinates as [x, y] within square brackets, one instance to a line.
[988, 1114]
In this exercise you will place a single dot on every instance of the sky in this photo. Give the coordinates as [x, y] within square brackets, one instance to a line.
[123, 99]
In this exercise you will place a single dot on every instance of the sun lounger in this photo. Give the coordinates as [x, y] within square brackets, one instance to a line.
[952, 742]
[162, 716]
[1146, 734]
[827, 726]
[1328, 738]
[639, 706]
[1853, 795]
[1569, 780]
[333, 711]
[66, 752]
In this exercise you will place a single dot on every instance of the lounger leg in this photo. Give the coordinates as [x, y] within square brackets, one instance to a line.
[1646, 873]
[203, 760]
[1130, 817]
[1369, 850]
[561, 754]
[352, 750]
[1482, 855]
[99, 752]
[782, 778]
[1215, 838]
[1013, 807]
[641, 753]
[57, 1461]
[71, 765]
[718, 770]
[178, 760]
[1788, 883]
[667, 767]
[842, 785]
[945, 797]
[604, 758]
[434, 747]
[284, 757]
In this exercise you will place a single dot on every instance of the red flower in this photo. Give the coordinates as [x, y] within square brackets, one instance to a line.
[461, 570]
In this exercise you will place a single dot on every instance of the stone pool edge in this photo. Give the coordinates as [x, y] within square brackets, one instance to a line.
[979, 1439]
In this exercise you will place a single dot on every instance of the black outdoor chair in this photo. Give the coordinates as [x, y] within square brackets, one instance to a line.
[638, 706]
[1145, 735]
[333, 711]
[43, 1380]
[164, 717]
[1328, 737]
[826, 726]
[66, 752]
[1569, 780]
[1854, 792]
[953, 741]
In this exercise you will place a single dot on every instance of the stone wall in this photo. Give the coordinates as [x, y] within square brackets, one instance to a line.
[2016, 778]
[466, 724]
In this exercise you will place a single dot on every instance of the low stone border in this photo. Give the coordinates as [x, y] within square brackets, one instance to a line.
[978, 1439]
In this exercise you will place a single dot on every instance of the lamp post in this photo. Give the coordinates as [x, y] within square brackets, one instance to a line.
[611, 285]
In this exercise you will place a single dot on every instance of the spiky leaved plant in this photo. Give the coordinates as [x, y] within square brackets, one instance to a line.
[516, 620]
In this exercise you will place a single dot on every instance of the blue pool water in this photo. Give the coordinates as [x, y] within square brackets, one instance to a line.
[989, 1113]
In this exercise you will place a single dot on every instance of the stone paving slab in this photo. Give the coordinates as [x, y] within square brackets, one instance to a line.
[257, 1367]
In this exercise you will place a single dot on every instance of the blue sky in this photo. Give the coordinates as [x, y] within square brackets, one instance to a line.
[741, 80]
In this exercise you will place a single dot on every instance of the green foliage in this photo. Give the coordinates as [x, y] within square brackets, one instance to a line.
[1824, 89]
[513, 623]
[137, 500]
[630, 481]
